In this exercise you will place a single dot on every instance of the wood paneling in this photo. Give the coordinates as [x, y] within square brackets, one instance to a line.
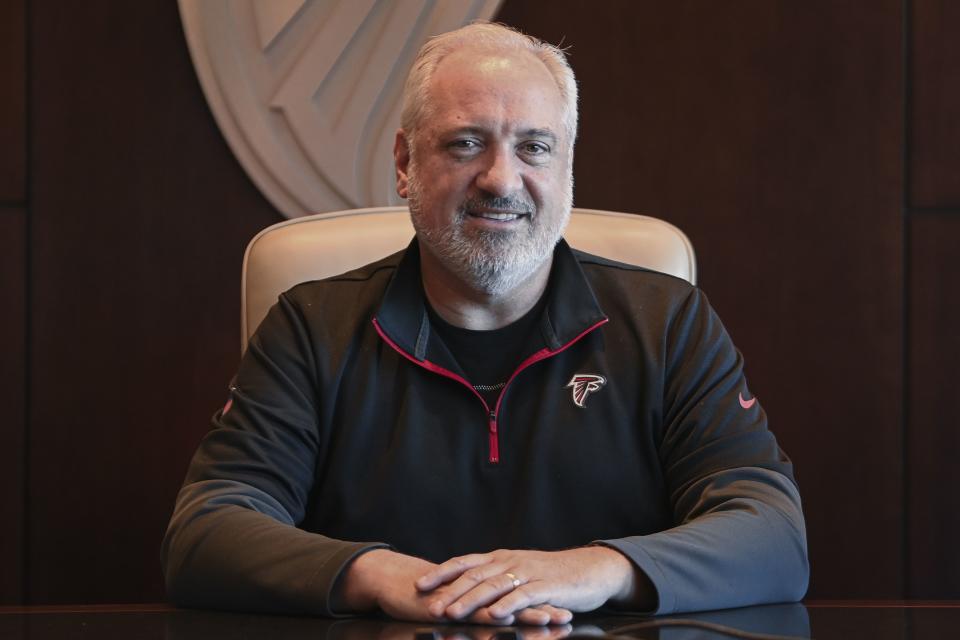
[935, 104]
[771, 134]
[140, 217]
[13, 163]
[12, 399]
[934, 416]
[13, 104]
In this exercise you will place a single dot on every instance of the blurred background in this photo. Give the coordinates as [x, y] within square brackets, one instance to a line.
[810, 150]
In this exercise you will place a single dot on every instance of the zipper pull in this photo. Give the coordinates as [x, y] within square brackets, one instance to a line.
[494, 440]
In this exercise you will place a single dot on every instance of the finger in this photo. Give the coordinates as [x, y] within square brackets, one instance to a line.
[533, 616]
[449, 570]
[482, 616]
[524, 596]
[558, 615]
[544, 614]
[470, 579]
[475, 589]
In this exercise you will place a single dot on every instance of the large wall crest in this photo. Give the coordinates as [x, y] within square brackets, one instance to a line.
[307, 92]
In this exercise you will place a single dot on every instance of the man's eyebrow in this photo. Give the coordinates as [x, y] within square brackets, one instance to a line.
[540, 133]
[526, 133]
[459, 131]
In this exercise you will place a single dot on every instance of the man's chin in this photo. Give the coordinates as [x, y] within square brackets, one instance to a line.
[492, 260]
[493, 276]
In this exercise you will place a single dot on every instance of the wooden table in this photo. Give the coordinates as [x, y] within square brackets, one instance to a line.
[823, 620]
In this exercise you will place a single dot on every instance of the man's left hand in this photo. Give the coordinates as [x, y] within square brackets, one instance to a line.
[507, 581]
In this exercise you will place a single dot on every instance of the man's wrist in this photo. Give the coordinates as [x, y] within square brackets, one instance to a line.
[636, 591]
[359, 583]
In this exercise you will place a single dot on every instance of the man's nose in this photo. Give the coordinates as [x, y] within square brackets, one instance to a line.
[502, 174]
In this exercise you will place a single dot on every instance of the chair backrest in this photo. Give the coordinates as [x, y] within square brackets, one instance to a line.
[326, 244]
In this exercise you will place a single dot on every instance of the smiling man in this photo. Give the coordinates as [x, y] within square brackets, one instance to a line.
[497, 151]
[488, 426]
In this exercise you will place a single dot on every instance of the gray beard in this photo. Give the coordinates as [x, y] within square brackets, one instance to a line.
[488, 261]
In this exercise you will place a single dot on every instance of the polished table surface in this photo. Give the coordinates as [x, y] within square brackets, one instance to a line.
[847, 620]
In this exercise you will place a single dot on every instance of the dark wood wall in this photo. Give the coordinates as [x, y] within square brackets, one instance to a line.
[932, 212]
[13, 282]
[810, 150]
[138, 217]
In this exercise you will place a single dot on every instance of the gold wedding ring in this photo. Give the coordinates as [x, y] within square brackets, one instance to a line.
[514, 579]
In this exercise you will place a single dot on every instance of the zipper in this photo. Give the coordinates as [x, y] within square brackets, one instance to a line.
[492, 414]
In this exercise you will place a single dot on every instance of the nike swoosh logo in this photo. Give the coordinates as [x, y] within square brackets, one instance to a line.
[746, 404]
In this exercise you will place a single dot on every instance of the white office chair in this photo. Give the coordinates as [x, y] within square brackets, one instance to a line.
[326, 244]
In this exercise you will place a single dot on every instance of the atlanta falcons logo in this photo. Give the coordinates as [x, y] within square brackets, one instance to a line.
[583, 385]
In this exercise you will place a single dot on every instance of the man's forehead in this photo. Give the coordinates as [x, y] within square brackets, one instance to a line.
[470, 87]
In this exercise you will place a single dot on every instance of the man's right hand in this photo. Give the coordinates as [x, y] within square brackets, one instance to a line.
[386, 580]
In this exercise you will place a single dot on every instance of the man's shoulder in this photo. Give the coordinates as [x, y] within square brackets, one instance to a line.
[374, 275]
[346, 298]
[605, 271]
[638, 296]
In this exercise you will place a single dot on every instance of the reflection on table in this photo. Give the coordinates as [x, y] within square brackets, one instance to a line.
[824, 621]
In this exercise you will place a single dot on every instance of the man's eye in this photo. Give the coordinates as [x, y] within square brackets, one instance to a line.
[464, 146]
[535, 148]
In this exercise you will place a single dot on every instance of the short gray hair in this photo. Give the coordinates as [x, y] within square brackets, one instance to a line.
[495, 37]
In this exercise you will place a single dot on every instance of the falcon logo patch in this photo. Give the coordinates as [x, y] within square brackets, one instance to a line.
[583, 385]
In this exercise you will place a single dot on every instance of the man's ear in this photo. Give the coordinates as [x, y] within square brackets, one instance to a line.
[401, 160]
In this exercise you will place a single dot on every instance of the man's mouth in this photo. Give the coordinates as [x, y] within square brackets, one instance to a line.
[499, 216]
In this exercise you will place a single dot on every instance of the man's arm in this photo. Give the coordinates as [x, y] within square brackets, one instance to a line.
[229, 546]
[742, 543]
[740, 536]
[232, 542]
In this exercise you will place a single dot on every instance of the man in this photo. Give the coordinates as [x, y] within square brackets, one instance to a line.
[488, 426]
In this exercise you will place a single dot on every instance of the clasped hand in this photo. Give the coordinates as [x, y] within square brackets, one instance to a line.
[502, 587]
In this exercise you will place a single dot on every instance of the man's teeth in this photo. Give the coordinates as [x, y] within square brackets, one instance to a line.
[502, 217]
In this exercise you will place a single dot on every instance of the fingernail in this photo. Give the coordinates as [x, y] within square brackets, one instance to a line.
[455, 610]
[436, 608]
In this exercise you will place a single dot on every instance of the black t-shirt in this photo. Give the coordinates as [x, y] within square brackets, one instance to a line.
[488, 358]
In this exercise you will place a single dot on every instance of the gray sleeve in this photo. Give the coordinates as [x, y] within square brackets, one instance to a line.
[229, 548]
[233, 541]
[741, 543]
[739, 536]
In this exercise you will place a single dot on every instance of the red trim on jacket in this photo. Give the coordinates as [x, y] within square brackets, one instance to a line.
[493, 415]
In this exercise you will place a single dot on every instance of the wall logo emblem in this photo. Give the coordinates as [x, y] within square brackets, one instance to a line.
[307, 92]
[583, 384]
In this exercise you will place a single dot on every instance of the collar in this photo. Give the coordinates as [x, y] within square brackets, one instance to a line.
[571, 308]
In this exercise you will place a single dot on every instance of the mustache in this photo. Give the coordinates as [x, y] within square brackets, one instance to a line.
[499, 203]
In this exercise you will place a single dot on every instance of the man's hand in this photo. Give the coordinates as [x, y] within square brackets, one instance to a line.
[503, 583]
[386, 579]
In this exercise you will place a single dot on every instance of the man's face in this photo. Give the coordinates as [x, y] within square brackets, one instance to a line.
[488, 177]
